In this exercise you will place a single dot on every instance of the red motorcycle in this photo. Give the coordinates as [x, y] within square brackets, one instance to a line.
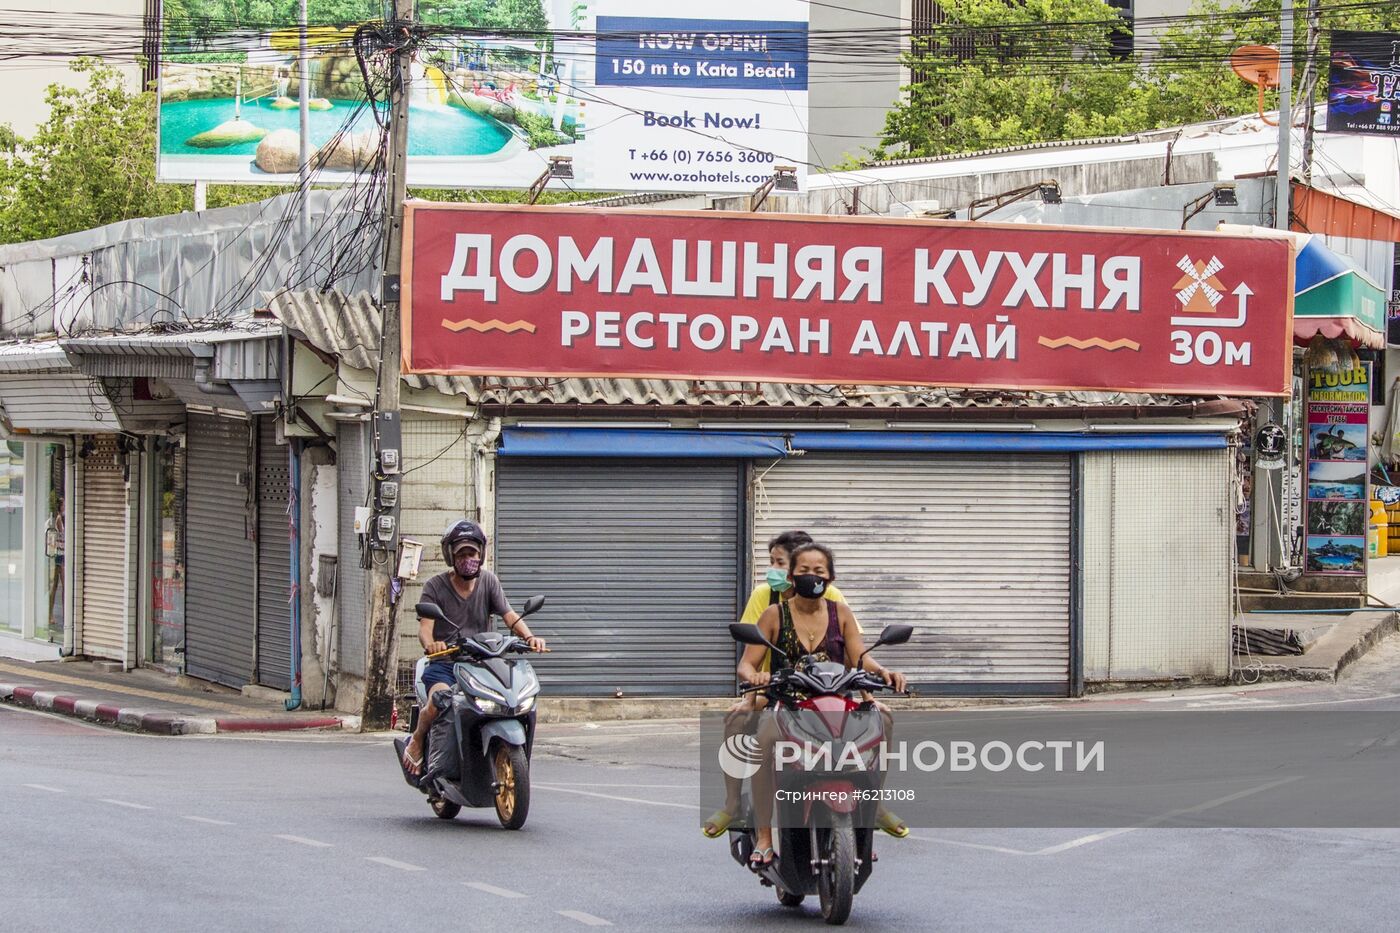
[825, 832]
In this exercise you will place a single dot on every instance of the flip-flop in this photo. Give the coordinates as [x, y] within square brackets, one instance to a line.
[414, 765]
[757, 861]
[892, 825]
[720, 820]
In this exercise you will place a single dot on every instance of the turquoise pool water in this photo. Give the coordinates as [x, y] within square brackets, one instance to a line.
[433, 131]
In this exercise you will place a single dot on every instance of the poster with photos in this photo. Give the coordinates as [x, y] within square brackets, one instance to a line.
[1338, 466]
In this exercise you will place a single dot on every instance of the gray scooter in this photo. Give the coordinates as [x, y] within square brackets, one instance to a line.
[478, 749]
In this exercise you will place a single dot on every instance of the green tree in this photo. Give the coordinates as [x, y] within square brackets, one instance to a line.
[1190, 80]
[1000, 74]
[92, 162]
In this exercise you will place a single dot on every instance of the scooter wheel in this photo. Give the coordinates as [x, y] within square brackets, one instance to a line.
[788, 899]
[445, 809]
[513, 785]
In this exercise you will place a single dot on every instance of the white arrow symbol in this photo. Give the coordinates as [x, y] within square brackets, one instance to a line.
[1242, 291]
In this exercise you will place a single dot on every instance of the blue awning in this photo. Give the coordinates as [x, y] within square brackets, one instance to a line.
[663, 442]
[639, 442]
[1008, 441]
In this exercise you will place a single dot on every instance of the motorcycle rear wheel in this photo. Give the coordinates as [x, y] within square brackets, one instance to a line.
[445, 809]
[837, 882]
[788, 899]
[513, 780]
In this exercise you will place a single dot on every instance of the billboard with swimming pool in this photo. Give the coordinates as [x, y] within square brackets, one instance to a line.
[711, 102]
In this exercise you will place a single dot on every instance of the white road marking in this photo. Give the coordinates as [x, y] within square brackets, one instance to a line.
[492, 889]
[401, 866]
[52, 790]
[970, 845]
[585, 919]
[1158, 820]
[617, 797]
[124, 803]
[560, 785]
[613, 735]
[205, 819]
[303, 841]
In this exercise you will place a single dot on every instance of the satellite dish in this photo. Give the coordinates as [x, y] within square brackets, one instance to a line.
[1256, 64]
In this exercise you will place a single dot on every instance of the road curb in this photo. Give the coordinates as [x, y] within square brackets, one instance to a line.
[1327, 658]
[162, 723]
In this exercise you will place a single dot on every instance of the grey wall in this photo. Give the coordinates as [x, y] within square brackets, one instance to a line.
[855, 79]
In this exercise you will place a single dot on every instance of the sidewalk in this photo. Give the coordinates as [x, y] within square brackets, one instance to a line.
[1334, 640]
[145, 701]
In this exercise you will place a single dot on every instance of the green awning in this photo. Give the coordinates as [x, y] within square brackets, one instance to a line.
[1335, 299]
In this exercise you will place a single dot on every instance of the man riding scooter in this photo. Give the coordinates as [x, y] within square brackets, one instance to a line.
[468, 595]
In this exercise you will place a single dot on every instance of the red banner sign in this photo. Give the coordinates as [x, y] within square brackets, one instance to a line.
[767, 298]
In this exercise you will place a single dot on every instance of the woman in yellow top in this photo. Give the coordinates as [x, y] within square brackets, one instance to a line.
[776, 588]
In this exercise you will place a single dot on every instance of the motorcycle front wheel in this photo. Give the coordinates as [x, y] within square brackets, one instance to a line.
[445, 809]
[512, 785]
[837, 882]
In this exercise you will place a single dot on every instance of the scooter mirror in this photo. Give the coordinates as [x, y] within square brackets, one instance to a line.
[427, 610]
[746, 634]
[750, 635]
[532, 605]
[895, 634]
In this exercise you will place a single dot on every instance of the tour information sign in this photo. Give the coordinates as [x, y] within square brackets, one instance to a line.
[1339, 411]
[770, 298]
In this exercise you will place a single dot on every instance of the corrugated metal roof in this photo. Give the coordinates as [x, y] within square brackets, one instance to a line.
[348, 327]
[33, 356]
[179, 343]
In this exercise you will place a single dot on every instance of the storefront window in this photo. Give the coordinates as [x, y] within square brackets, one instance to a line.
[168, 552]
[12, 536]
[50, 623]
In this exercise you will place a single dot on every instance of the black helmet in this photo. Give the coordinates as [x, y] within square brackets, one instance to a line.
[458, 532]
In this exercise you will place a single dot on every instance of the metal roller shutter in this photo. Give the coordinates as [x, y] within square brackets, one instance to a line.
[973, 551]
[353, 477]
[274, 560]
[219, 591]
[105, 588]
[639, 561]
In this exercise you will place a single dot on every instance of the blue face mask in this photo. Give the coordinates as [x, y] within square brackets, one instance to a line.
[778, 580]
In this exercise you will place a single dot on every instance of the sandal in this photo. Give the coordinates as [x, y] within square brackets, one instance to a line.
[762, 858]
[892, 825]
[414, 766]
[718, 822]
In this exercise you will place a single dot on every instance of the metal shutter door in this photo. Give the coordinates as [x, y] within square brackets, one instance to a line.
[639, 562]
[274, 560]
[353, 479]
[104, 553]
[973, 551]
[1157, 532]
[219, 603]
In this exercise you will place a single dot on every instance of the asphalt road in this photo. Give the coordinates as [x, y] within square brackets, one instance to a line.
[110, 831]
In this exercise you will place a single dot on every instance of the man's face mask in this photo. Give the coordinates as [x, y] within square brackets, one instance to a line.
[778, 580]
[467, 564]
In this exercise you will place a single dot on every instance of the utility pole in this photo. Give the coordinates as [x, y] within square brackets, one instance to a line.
[1310, 78]
[304, 152]
[1283, 194]
[381, 671]
[1269, 547]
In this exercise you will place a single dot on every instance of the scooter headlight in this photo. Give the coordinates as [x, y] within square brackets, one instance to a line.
[526, 705]
[486, 706]
[480, 687]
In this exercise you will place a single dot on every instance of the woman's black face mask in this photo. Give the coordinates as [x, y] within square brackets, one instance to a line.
[809, 585]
